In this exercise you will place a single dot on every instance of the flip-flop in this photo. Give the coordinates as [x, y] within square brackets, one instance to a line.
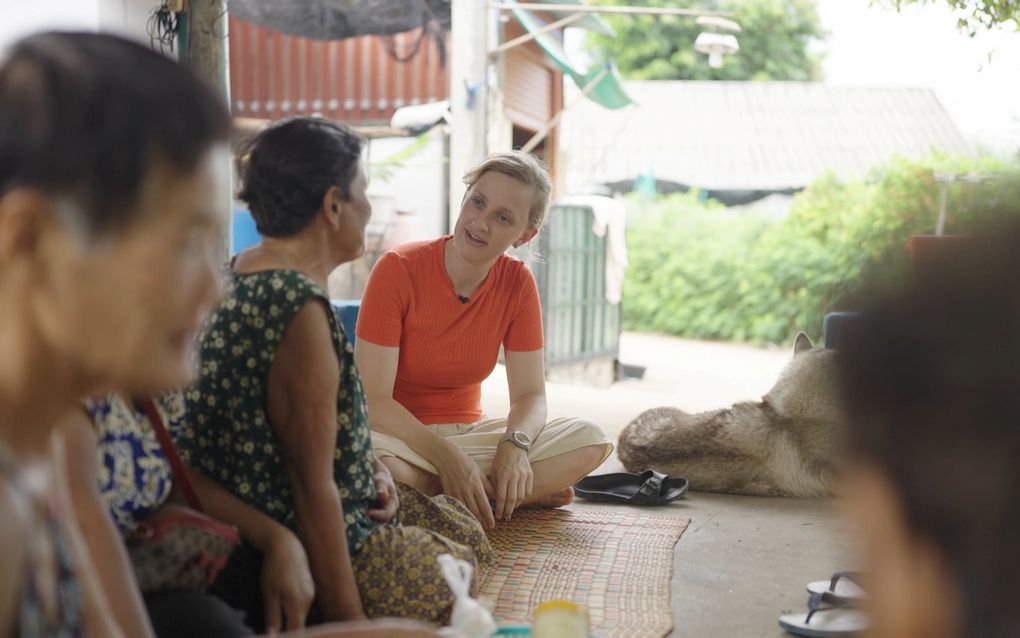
[647, 488]
[843, 585]
[827, 616]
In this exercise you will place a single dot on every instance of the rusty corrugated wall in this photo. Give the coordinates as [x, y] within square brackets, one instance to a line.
[356, 80]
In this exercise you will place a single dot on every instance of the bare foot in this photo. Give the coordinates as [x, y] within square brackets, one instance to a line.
[559, 499]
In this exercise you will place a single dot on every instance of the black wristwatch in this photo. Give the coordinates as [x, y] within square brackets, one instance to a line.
[520, 439]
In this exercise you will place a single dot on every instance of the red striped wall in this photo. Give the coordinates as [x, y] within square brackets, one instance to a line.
[355, 80]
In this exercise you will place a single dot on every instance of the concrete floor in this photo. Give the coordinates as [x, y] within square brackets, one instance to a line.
[743, 560]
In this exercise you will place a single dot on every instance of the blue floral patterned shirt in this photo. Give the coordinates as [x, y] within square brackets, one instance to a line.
[134, 475]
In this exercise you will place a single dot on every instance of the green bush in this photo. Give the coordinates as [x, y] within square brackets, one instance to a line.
[701, 271]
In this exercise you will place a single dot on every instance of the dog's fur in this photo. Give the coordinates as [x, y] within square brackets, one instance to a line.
[784, 445]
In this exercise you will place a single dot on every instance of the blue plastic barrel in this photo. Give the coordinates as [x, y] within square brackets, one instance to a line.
[347, 310]
[243, 233]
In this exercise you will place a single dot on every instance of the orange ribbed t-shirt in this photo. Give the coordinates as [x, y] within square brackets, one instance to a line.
[447, 348]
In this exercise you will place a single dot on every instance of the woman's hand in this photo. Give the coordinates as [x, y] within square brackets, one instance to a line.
[512, 477]
[462, 479]
[287, 586]
[387, 503]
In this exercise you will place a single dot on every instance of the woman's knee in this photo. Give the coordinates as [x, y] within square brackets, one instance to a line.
[402, 576]
[594, 453]
[409, 474]
[590, 430]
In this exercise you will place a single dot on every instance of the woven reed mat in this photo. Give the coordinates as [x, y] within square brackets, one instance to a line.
[617, 564]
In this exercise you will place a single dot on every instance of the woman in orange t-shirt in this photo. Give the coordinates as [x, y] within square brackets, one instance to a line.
[432, 321]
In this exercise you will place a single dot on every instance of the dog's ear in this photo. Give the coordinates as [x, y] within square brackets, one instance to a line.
[802, 343]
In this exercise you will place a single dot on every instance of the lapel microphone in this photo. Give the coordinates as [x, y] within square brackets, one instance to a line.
[463, 299]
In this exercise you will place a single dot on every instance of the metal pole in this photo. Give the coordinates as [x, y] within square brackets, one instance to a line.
[528, 37]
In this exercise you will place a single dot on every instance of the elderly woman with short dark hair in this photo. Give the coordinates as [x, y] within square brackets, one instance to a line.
[279, 412]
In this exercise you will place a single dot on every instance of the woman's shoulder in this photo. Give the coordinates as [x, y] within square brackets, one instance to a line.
[98, 407]
[112, 417]
[115, 417]
[267, 298]
[416, 252]
[514, 281]
[267, 284]
[409, 262]
[513, 269]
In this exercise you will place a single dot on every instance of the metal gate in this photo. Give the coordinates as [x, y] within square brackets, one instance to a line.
[579, 324]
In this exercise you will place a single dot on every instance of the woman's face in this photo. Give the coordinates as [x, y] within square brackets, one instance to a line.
[125, 309]
[356, 213]
[493, 217]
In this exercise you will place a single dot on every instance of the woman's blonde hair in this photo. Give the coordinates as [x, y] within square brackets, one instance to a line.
[525, 168]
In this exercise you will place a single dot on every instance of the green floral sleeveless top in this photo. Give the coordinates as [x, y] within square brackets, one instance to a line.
[230, 437]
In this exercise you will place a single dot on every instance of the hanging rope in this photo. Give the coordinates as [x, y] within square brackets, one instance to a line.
[431, 27]
[389, 43]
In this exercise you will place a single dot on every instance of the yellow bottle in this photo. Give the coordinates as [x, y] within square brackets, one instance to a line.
[560, 619]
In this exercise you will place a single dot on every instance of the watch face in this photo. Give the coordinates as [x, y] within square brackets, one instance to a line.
[520, 439]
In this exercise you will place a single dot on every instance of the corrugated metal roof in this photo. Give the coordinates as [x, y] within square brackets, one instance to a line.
[751, 135]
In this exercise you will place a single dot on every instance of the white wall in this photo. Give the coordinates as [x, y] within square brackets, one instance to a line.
[126, 17]
[416, 186]
[23, 17]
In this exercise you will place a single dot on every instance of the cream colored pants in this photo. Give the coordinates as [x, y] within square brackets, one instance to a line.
[479, 441]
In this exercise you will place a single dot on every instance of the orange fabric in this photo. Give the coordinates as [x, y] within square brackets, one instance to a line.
[447, 348]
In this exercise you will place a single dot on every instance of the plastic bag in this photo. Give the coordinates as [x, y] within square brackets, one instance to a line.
[470, 619]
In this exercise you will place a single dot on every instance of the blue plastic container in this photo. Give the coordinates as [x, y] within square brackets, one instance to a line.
[834, 327]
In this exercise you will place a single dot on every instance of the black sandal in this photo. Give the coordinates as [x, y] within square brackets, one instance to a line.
[647, 488]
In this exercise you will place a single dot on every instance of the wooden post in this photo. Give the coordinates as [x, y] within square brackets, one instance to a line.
[204, 50]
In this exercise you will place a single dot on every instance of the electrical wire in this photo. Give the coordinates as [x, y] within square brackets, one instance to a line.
[162, 27]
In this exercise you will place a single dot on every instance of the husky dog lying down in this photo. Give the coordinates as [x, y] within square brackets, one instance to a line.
[784, 445]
